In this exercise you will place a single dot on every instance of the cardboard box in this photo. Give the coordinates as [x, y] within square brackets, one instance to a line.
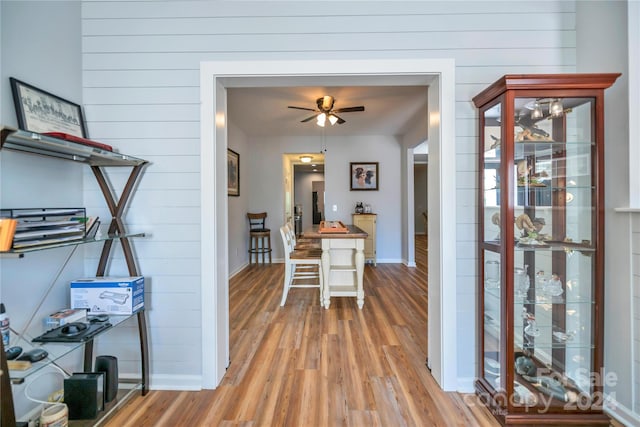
[108, 295]
[64, 316]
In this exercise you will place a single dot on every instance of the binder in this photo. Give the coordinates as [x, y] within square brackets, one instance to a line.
[7, 230]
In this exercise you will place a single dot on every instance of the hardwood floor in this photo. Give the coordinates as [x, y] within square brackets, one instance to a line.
[302, 365]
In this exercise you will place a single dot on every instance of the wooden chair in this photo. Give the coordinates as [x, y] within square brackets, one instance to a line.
[301, 243]
[259, 237]
[302, 268]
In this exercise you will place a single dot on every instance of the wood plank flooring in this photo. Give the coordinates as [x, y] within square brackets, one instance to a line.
[302, 365]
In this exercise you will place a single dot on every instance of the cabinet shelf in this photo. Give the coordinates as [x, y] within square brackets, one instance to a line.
[566, 247]
[539, 298]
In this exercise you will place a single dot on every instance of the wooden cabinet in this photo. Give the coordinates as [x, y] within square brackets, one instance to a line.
[98, 160]
[367, 223]
[541, 248]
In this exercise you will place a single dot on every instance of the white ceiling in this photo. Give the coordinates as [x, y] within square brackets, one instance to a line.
[262, 111]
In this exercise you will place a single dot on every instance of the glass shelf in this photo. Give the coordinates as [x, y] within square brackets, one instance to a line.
[567, 247]
[19, 253]
[55, 350]
[539, 299]
[31, 142]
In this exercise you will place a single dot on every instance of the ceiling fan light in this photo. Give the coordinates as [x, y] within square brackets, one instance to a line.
[321, 119]
[333, 119]
[536, 113]
[555, 108]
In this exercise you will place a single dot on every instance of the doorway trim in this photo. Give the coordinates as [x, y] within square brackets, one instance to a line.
[215, 78]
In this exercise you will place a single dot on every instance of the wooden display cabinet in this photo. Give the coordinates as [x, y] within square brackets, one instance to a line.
[541, 248]
[367, 223]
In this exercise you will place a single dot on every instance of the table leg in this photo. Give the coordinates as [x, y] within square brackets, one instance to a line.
[359, 273]
[326, 273]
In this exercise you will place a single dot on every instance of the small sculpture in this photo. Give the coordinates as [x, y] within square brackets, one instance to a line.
[523, 222]
[554, 286]
[530, 130]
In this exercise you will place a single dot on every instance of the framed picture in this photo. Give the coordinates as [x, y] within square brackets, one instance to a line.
[364, 176]
[40, 111]
[233, 173]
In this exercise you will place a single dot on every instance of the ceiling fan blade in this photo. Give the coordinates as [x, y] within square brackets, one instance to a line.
[349, 109]
[340, 119]
[301, 108]
[309, 118]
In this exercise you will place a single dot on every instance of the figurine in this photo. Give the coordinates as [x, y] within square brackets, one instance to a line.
[554, 286]
[523, 222]
[530, 130]
[555, 281]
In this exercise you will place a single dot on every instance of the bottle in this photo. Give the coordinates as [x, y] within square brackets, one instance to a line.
[4, 326]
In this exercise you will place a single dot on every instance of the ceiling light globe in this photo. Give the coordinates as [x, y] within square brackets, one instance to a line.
[321, 119]
[536, 113]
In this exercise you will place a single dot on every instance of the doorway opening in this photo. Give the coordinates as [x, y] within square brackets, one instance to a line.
[303, 177]
[438, 74]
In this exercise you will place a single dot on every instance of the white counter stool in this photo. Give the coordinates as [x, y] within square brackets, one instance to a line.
[302, 268]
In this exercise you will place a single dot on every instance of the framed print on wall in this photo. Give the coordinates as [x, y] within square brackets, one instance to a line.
[42, 112]
[233, 173]
[364, 176]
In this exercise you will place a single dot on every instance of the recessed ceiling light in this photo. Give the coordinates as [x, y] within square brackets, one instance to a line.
[306, 159]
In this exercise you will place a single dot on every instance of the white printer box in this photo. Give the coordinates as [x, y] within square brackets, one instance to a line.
[108, 295]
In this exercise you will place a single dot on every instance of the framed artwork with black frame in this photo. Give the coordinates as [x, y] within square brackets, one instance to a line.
[233, 173]
[364, 176]
[42, 112]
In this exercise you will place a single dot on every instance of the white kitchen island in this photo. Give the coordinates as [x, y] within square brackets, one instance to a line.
[342, 262]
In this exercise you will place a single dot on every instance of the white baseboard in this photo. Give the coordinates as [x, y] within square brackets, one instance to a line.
[238, 270]
[621, 413]
[390, 261]
[175, 382]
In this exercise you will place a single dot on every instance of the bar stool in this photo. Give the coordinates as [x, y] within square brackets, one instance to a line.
[259, 237]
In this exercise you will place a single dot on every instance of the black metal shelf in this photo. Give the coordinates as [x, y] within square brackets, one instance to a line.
[97, 159]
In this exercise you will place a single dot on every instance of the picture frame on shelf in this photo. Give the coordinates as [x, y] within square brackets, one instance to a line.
[233, 173]
[364, 176]
[40, 111]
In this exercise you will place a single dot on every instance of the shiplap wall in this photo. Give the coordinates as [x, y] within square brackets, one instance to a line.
[140, 75]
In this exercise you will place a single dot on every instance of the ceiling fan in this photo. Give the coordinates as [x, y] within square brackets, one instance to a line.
[326, 112]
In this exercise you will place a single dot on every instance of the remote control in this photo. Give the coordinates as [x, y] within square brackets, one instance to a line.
[13, 352]
[35, 355]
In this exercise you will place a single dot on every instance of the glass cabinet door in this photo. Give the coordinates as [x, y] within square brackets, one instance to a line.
[553, 271]
[491, 231]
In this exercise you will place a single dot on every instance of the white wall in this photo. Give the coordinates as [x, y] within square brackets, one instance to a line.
[141, 90]
[420, 196]
[49, 33]
[238, 222]
[606, 51]
[266, 192]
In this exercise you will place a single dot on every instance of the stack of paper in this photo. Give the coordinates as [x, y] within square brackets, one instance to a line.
[37, 227]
